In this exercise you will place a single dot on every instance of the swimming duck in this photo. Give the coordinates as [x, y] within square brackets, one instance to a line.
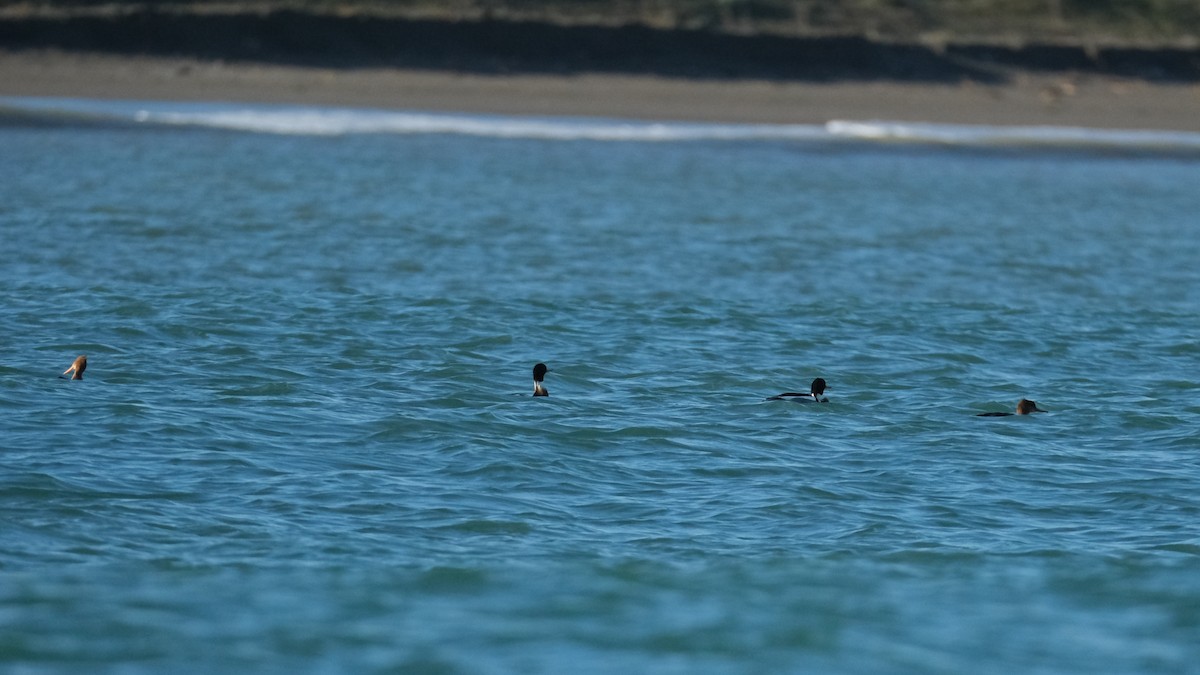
[1024, 407]
[814, 396]
[539, 372]
[78, 366]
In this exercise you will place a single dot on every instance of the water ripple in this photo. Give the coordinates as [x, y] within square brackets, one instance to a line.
[306, 431]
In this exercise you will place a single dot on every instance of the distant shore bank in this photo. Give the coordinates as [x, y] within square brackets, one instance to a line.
[495, 46]
[635, 72]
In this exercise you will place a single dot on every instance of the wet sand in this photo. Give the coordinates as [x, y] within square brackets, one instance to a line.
[1024, 98]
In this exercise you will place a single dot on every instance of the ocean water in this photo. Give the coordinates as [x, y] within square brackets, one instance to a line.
[305, 440]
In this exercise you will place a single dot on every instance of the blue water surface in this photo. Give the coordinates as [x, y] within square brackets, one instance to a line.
[305, 440]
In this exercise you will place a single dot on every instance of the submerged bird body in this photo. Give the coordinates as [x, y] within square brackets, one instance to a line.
[539, 373]
[815, 395]
[77, 366]
[1024, 407]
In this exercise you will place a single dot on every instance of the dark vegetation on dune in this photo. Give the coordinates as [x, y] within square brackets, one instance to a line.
[818, 40]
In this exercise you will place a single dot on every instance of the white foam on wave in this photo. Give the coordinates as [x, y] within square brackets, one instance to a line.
[999, 136]
[332, 122]
[325, 121]
[321, 121]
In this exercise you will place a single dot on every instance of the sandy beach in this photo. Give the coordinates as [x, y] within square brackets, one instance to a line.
[1059, 99]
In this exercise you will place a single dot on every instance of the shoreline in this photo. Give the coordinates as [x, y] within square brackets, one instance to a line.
[540, 68]
[1023, 99]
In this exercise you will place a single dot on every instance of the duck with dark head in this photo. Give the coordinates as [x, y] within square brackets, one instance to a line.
[816, 393]
[1024, 407]
[539, 373]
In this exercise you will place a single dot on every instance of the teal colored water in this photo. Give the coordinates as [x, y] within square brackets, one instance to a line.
[305, 440]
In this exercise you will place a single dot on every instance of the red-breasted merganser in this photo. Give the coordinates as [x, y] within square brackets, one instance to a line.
[814, 396]
[78, 366]
[1024, 407]
[539, 372]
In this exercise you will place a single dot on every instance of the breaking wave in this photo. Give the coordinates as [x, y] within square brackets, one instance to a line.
[326, 121]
